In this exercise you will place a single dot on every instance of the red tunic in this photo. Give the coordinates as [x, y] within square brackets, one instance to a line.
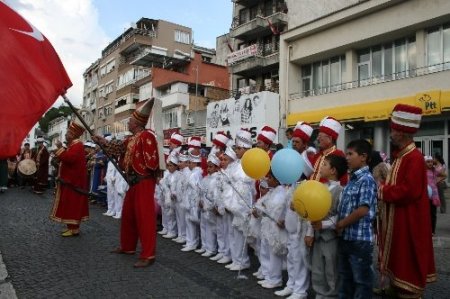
[42, 170]
[138, 213]
[406, 242]
[317, 162]
[70, 206]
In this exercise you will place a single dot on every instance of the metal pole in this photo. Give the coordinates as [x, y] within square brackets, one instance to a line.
[66, 99]
[196, 100]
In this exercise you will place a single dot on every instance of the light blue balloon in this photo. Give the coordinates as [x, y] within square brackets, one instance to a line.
[430, 191]
[287, 166]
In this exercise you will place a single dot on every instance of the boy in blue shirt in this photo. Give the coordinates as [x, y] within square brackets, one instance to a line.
[356, 213]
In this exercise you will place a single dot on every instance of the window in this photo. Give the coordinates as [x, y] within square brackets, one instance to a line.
[121, 102]
[268, 8]
[109, 88]
[110, 66]
[103, 71]
[438, 48]
[306, 79]
[386, 62]
[182, 37]
[101, 113]
[125, 78]
[122, 126]
[243, 16]
[108, 110]
[171, 118]
[107, 129]
[267, 45]
[323, 76]
[241, 83]
[253, 12]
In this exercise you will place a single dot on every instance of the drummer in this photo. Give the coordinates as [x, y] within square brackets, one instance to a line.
[42, 157]
[25, 154]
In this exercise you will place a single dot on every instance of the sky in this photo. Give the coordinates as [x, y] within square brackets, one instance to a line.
[80, 29]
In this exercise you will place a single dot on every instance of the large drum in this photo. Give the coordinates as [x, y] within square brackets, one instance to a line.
[26, 168]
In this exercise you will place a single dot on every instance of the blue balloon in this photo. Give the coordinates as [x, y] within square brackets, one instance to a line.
[287, 166]
[430, 191]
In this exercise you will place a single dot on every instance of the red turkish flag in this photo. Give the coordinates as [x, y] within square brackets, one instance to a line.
[31, 75]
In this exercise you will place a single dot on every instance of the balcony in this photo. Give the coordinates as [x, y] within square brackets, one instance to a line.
[129, 40]
[175, 99]
[124, 108]
[139, 77]
[257, 26]
[158, 57]
[253, 59]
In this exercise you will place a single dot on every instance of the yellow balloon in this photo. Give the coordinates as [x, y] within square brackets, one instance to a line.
[312, 200]
[256, 163]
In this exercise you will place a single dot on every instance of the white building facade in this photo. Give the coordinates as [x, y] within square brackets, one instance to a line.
[57, 130]
[355, 60]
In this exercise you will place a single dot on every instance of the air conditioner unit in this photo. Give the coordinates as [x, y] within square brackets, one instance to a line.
[189, 121]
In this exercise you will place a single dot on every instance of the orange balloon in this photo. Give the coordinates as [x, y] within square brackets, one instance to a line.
[312, 200]
[256, 163]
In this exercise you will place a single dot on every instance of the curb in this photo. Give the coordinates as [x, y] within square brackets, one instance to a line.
[6, 288]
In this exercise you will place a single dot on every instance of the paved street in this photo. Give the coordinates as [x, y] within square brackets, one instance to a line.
[42, 264]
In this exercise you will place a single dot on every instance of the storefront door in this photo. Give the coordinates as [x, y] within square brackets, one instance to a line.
[430, 145]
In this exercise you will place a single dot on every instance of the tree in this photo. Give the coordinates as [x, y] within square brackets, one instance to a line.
[51, 114]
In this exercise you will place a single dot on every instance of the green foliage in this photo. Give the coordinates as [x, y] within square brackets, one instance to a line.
[51, 114]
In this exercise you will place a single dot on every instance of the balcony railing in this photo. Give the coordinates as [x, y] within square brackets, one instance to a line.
[417, 72]
[136, 31]
[255, 50]
[139, 77]
[254, 89]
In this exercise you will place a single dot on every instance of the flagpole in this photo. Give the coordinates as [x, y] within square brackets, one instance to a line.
[113, 161]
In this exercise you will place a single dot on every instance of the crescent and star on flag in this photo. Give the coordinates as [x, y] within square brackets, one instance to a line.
[35, 33]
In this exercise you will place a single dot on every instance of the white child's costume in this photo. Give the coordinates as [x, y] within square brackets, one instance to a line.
[208, 217]
[191, 201]
[121, 187]
[110, 178]
[240, 205]
[273, 238]
[180, 199]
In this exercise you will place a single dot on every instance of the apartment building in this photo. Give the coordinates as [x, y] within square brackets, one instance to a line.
[186, 91]
[355, 60]
[254, 41]
[57, 130]
[122, 76]
[253, 62]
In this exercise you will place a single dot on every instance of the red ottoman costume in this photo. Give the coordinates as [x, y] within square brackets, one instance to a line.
[71, 205]
[139, 160]
[406, 243]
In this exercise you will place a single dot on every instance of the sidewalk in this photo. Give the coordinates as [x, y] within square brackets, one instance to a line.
[96, 274]
[442, 236]
[6, 288]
